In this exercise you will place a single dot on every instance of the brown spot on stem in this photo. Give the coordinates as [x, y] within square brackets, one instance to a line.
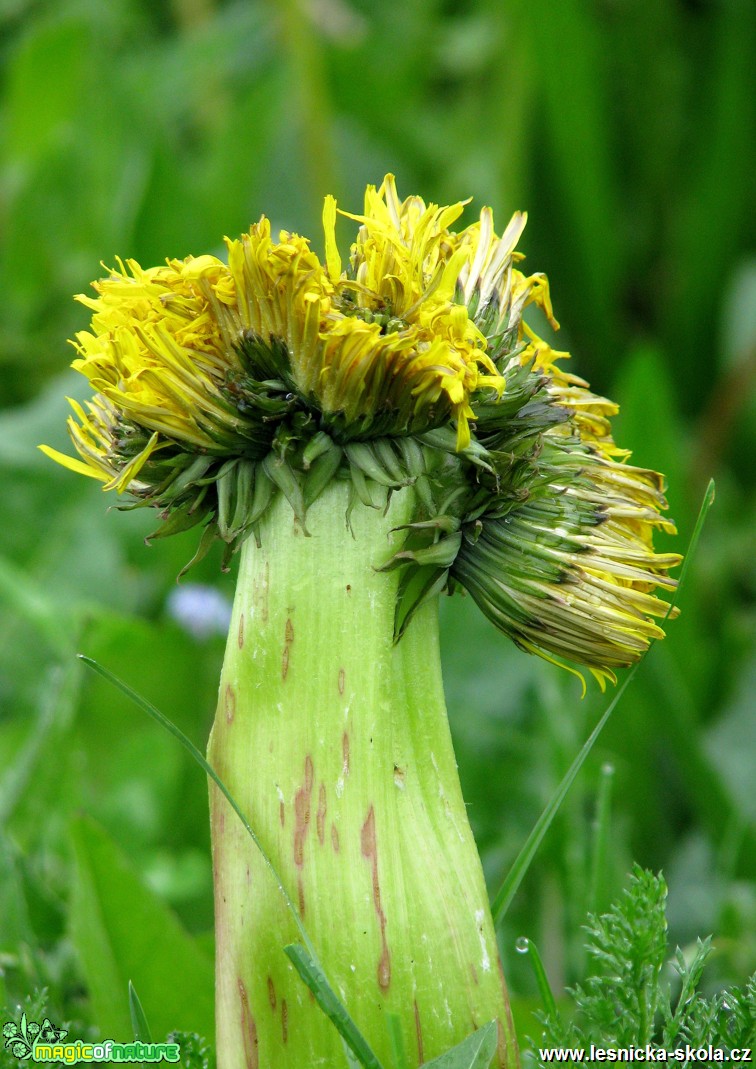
[229, 701]
[240, 635]
[335, 838]
[271, 993]
[419, 1034]
[349, 588]
[367, 835]
[345, 751]
[282, 813]
[288, 640]
[260, 595]
[300, 895]
[474, 972]
[284, 1021]
[321, 814]
[369, 847]
[302, 807]
[249, 1029]
[341, 680]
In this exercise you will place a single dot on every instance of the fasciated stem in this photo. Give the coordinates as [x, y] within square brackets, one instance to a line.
[335, 742]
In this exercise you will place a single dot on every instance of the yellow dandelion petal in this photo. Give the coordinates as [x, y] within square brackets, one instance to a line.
[333, 260]
[73, 464]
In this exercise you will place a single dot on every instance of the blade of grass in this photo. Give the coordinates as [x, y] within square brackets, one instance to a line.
[398, 1053]
[313, 976]
[527, 946]
[516, 874]
[600, 844]
[138, 1020]
[139, 1023]
[189, 746]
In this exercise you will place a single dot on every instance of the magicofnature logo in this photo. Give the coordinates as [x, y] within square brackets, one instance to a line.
[29, 1040]
[20, 1039]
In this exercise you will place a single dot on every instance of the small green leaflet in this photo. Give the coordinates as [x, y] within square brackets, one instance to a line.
[474, 1052]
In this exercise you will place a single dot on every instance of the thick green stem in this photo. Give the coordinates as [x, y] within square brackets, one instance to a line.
[335, 742]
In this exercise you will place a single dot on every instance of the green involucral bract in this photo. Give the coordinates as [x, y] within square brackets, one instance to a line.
[369, 435]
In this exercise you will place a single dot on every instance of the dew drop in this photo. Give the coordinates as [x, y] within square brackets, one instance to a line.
[522, 945]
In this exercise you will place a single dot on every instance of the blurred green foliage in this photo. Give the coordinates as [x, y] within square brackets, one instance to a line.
[150, 130]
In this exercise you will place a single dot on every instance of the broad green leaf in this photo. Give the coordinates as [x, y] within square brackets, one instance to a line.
[568, 44]
[45, 86]
[122, 932]
[708, 220]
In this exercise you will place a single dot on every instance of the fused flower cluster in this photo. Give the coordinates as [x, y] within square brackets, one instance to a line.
[219, 384]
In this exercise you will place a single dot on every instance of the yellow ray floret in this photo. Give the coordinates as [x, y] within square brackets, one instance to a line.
[404, 270]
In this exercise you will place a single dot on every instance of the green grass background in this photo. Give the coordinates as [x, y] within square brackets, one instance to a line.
[626, 129]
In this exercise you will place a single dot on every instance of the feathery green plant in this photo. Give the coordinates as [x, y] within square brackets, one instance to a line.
[634, 995]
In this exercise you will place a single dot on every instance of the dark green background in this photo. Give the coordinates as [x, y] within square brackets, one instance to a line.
[626, 129]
